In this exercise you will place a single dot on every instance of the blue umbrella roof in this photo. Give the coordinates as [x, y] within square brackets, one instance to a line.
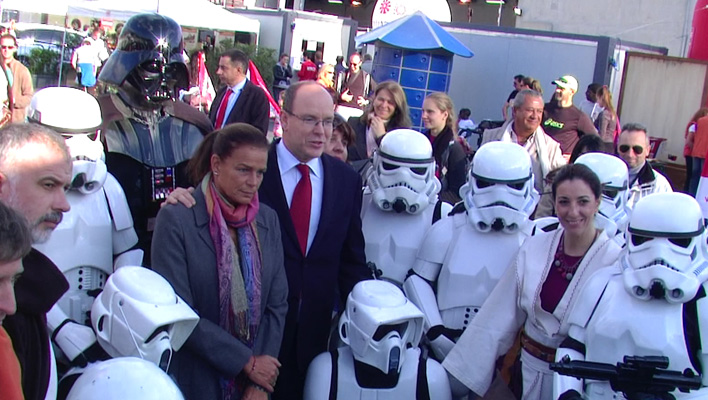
[417, 32]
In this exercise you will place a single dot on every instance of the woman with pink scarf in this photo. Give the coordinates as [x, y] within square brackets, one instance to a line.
[224, 257]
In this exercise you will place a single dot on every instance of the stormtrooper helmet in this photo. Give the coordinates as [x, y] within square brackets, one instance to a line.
[75, 115]
[666, 255]
[499, 194]
[379, 324]
[615, 180]
[138, 314]
[403, 173]
[124, 378]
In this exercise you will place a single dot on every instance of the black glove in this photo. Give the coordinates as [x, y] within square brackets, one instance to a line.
[435, 331]
[571, 395]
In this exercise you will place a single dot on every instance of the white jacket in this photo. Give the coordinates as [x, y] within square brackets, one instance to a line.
[648, 181]
[516, 302]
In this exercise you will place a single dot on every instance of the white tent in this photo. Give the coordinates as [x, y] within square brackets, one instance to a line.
[194, 13]
[54, 7]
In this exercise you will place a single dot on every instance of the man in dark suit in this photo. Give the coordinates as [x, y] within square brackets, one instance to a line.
[240, 100]
[324, 253]
[328, 259]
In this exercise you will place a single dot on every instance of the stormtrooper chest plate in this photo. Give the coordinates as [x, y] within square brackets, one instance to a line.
[348, 388]
[392, 240]
[623, 325]
[474, 263]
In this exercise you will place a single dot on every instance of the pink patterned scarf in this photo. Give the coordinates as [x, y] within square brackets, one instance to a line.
[238, 254]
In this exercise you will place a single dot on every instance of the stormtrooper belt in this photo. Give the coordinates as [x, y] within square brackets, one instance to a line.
[536, 349]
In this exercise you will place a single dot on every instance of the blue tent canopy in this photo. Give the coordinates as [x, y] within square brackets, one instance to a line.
[417, 32]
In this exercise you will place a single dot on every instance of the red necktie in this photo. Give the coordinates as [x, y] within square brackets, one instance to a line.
[222, 109]
[300, 206]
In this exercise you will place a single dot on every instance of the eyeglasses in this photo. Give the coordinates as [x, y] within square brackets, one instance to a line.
[625, 149]
[312, 122]
[7, 47]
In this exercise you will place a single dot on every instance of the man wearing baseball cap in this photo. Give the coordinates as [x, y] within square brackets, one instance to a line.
[562, 120]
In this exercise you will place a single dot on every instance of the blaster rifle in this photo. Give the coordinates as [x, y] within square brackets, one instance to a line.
[636, 376]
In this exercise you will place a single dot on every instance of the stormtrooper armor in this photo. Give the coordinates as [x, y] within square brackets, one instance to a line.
[498, 200]
[400, 202]
[124, 378]
[614, 211]
[381, 329]
[97, 233]
[149, 136]
[138, 314]
[659, 281]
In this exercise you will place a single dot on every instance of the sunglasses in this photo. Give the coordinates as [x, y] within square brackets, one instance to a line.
[625, 149]
[7, 47]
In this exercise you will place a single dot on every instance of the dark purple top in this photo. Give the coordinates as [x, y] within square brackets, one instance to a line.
[556, 284]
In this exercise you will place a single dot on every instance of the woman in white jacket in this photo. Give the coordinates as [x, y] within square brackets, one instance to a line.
[538, 291]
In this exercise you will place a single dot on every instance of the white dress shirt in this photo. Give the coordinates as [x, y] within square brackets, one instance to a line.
[290, 176]
[232, 100]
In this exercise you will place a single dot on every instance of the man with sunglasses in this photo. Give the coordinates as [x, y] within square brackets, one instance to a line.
[633, 147]
[18, 78]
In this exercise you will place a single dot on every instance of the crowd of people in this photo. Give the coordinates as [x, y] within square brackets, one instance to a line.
[433, 266]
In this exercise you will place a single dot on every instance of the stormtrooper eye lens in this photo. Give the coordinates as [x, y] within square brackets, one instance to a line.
[482, 183]
[516, 186]
[384, 330]
[388, 166]
[639, 240]
[611, 193]
[419, 171]
[681, 242]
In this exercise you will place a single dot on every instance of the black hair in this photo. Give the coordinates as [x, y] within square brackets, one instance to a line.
[237, 56]
[586, 144]
[15, 235]
[222, 143]
[577, 171]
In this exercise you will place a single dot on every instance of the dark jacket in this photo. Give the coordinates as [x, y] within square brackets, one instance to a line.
[183, 252]
[41, 285]
[357, 150]
[251, 107]
[451, 164]
[333, 265]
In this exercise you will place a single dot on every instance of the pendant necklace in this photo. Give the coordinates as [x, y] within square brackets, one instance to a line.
[559, 262]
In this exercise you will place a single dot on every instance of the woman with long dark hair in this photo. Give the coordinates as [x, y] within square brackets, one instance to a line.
[387, 111]
[538, 291]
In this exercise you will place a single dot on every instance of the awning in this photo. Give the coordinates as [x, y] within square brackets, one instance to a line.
[417, 32]
[198, 14]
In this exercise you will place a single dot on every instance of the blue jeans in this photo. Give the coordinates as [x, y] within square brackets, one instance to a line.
[696, 169]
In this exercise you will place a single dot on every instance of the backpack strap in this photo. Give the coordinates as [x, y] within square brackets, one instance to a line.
[422, 391]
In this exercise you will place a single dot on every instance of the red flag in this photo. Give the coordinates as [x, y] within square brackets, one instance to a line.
[256, 78]
[206, 87]
[702, 192]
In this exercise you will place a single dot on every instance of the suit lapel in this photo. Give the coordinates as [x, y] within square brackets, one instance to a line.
[201, 217]
[215, 105]
[329, 200]
[240, 105]
[272, 194]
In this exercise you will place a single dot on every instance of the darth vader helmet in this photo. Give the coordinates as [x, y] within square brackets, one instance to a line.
[148, 63]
